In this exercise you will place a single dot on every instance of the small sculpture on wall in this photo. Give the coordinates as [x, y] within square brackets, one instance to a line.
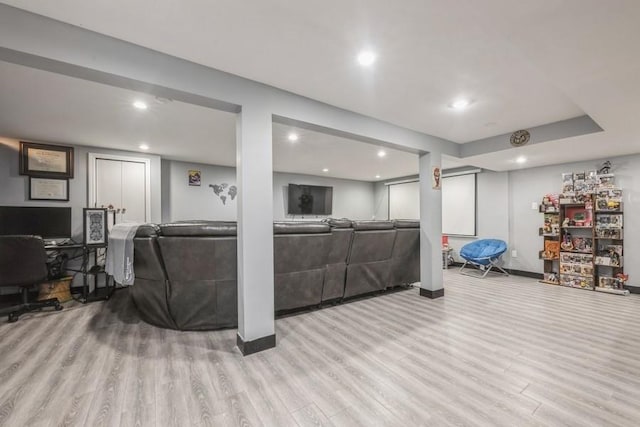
[605, 168]
[224, 191]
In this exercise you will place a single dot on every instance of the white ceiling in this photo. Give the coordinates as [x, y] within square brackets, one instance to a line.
[521, 63]
[42, 106]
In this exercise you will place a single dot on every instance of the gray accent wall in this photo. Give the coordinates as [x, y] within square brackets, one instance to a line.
[492, 211]
[351, 199]
[381, 200]
[14, 188]
[530, 185]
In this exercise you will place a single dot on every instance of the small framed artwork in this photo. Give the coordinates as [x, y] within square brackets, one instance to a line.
[111, 219]
[48, 189]
[46, 161]
[435, 178]
[195, 177]
[95, 227]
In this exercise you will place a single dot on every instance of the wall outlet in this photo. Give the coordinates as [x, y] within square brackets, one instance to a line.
[534, 206]
[514, 253]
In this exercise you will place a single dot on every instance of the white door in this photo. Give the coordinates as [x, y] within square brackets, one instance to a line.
[122, 183]
[133, 183]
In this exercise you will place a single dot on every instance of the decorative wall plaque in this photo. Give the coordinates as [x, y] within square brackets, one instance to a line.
[520, 138]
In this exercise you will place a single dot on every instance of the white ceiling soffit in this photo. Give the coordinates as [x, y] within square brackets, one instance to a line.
[429, 53]
[346, 158]
[522, 64]
[578, 126]
[42, 106]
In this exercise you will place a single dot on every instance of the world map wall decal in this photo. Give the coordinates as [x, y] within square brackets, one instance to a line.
[224, 191]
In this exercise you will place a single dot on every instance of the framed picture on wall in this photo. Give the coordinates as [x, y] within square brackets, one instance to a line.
[436, 183]
[48, 189]
[45, 160]
[195, 177]
[94, 227]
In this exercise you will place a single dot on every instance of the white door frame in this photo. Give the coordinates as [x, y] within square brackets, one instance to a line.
[91, 175]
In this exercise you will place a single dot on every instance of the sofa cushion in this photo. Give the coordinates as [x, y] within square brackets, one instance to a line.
[300, 227]
[372, 225]
[200, 228]
[338, 222]
[148, 230]
[406, 223]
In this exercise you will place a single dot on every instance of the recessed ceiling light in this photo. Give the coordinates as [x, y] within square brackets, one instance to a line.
[366, 58]
[521, 160]
[377, 176]
[460, 104]
[325, 170]
[140, 105]
[143, 146]
[382, 153]
[293, 137]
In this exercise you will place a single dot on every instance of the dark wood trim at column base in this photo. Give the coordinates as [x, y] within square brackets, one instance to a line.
[255, 346]
[431, 294]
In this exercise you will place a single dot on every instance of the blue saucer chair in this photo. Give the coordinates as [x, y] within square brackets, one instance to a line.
[483, 254]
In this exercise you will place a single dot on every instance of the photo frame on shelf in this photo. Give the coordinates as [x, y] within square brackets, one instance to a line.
[94, 221]
[111, 219]
[48, 189]
[46, 160]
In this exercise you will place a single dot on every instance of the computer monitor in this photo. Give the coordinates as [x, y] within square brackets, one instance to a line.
[46, 222]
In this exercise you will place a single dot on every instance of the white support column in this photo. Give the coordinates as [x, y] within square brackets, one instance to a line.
[431, 281]
[256, 325]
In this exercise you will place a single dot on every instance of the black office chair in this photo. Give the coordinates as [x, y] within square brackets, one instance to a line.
[23, 263]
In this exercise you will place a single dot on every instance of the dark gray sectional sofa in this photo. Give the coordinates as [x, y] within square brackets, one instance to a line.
[186, 272]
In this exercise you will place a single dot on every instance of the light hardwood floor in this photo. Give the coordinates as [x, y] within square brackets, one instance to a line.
[499, 351]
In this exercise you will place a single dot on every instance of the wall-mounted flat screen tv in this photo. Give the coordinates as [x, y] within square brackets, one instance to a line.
[310, 200]
[48, 223]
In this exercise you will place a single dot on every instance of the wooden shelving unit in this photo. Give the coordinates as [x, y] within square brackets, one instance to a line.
[550, 232]
[609, 232]
[587, 228]
[576, 245]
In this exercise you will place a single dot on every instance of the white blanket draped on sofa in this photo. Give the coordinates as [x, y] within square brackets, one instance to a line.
[119, 262]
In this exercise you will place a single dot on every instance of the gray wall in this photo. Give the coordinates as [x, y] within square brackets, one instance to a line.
[351, 199]
[14, 189]
[492, 207]
[381, 195]
[184, 202]
[381, 200]
[492, 211]
[530, 185]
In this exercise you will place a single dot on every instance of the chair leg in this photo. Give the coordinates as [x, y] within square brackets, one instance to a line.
[27, 306]
[475, 272]
[493, 264]
[483, 270]
[463, 266]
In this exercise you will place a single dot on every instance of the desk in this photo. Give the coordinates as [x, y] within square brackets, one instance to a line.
[95, 270]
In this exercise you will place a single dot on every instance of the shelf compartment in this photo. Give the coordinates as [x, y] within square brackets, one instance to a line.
[576, 281]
